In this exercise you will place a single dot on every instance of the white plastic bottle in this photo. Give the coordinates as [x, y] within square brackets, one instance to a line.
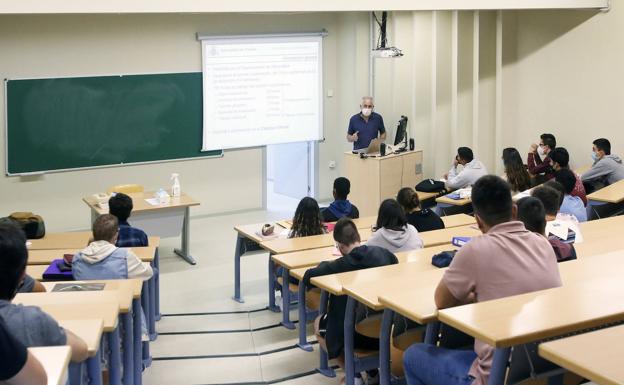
[175, 188]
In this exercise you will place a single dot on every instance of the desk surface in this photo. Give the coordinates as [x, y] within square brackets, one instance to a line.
[611, 194]
[445, 236]
[140, 205]
[89, 330]
[410, 263]
[454, 202]
[125, 286]
[67, 306]
[596, 356]
[54, 360]
[70, 240]
[249, 231]
[287, 245]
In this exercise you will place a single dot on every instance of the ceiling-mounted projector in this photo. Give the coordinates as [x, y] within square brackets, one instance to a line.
[387, 52]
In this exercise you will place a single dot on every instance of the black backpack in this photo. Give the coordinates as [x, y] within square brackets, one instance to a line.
[430, 186]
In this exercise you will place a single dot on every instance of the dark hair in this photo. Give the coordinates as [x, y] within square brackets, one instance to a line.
[531, 212]
[307, 220]
[491, 199]
[517, 174]
[465, 153]
[549, 198]
[391, 216]
[13, 259]
[603, 145]
[549, 140]
[120, 205]
[105, 227]
[560, 156]
[567, 179]
[342, 187]
[346, 232]
[553, 184]
[408, 199]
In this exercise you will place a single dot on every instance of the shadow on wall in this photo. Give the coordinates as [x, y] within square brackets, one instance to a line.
[540, 28]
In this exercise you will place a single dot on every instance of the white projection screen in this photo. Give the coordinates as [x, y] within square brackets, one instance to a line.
[262, 89]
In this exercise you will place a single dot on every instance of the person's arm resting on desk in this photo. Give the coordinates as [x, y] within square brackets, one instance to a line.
[138, 269]
[455, 179]
[457, 286]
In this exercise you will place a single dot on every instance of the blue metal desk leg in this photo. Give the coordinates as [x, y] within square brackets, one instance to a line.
[128, 347]
[94, 369]
[148, 302]
[272, 306]
[499, 366]
[384, 347]
[286, 300]
[157, 315]
[114, 364]
[138, 356]
[238, 253]
[303, 319]
[75, 371]
[183, 251]
[349, 327]
[432, 332]
[324, 368]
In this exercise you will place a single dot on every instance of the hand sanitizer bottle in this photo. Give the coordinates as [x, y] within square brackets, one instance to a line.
[175, 188]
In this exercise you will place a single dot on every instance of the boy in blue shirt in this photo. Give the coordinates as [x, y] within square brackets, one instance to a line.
[120, 205]
[571, 204]
[340, 207]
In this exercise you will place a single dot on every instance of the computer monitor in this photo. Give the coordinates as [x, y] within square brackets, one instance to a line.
[401, 132]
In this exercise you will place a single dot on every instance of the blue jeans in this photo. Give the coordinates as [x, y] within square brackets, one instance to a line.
[429, 365]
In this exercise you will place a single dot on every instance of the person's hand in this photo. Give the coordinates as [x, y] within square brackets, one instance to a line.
[455, 162]
[533, 148]
[445, 176]
[355, 136]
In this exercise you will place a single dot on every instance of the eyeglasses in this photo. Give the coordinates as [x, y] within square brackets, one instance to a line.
[367, 106]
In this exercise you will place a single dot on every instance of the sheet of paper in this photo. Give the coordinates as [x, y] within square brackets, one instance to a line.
[558, 229]
[153, 201]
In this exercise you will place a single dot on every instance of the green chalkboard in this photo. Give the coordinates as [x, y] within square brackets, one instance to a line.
[69, 123]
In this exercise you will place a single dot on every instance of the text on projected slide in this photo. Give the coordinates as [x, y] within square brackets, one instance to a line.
[261, 93]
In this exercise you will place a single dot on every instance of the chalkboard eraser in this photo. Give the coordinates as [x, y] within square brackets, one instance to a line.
[34, 173]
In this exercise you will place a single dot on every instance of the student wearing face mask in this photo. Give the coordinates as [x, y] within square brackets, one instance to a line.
[539, 161]
[471, 170]
[365, 126]
[607, 169]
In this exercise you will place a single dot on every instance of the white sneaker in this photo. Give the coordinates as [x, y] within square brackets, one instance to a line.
[372, 380]
[279, 302]
[358, 381]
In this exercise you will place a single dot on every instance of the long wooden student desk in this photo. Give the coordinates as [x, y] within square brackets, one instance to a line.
[70, 240]
[596, 356]
[54, 360]
[247, 239]
[609, 195]
[315, 256]
[45, 257]
[82, 305]
[163, 220]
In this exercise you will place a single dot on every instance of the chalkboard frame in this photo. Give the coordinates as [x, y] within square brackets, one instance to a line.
[112, 165]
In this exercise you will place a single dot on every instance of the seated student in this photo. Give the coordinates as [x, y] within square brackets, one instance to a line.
[472, 170]
[307, 219]
[329, 327]
[516, 173]
[421, 219]
[506, 260]
[538, 160]
[531, 212]
[572, 205]
[559, 159]
[607, 169]
[340, 207]
[392, 232]
[19, 366]
[120, 205]
[101, 259]
[30, 285]
[28, 324]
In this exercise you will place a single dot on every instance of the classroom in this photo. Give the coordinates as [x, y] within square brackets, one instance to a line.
[304, 192]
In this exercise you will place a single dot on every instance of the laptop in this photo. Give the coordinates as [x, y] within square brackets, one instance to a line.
[373, 147]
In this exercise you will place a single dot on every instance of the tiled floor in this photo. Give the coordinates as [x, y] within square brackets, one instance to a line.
[207, 288]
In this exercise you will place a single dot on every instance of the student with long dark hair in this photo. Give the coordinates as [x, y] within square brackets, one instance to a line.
[307, 219]
[392, 230]
[421, 219]
[516, 173]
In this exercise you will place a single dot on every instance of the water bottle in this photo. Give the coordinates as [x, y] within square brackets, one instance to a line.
[175, 188]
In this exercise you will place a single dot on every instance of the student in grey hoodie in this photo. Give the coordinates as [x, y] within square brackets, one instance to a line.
[472, 170]
[607, 169]
[103, 260]
[392, 230]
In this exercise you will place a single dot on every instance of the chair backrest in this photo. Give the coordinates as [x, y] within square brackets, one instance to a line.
[126, 188]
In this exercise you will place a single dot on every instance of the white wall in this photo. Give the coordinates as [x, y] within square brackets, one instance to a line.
[85, 45]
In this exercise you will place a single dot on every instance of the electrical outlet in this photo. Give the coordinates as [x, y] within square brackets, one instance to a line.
[330, 93]
[332, 164]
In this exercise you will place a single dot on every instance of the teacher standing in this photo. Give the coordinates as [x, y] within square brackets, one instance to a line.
[365, 126]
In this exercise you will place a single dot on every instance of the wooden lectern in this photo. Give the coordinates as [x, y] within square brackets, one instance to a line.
[379, 178]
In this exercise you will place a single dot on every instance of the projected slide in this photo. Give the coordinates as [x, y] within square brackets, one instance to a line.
[262, 90]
